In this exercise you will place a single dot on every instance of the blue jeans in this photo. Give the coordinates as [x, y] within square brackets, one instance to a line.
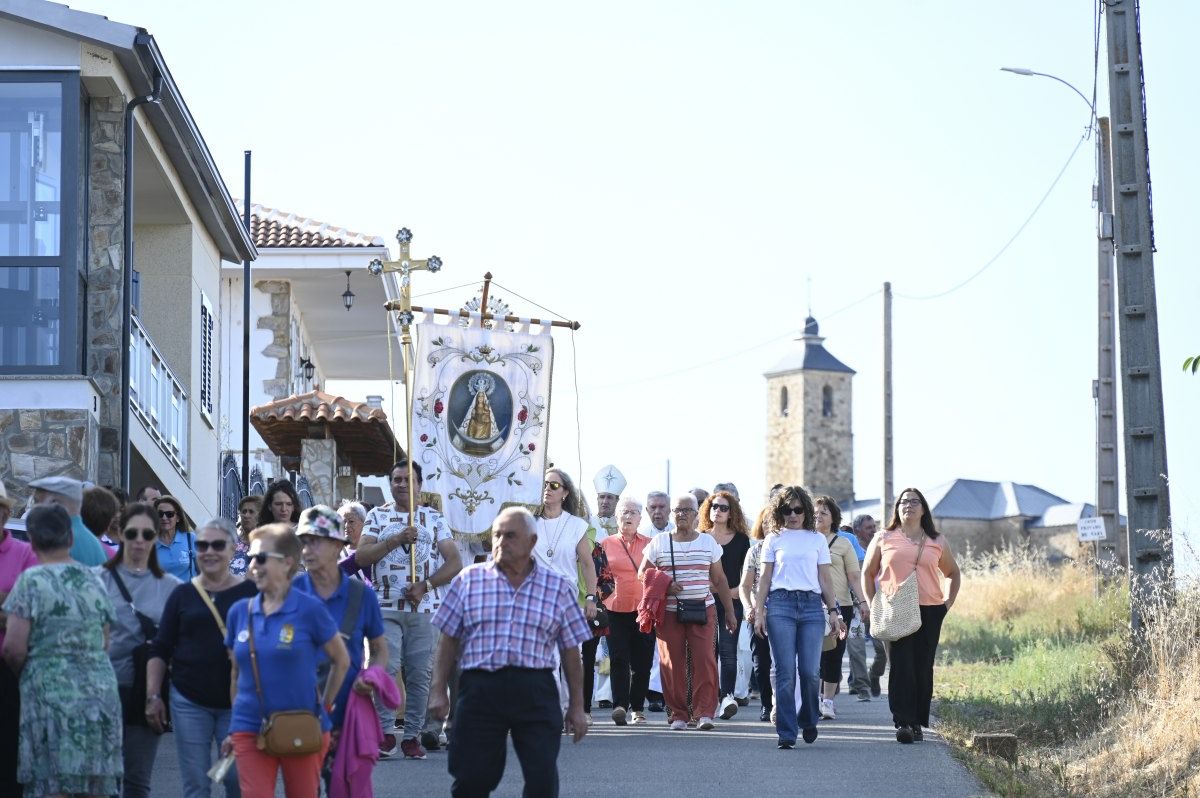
[197, 729]
[795, 627]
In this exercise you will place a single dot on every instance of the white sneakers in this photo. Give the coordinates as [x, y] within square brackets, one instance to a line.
[827, 710]
[678, 725]
[706, 724]
[728, 708]
[639, 719]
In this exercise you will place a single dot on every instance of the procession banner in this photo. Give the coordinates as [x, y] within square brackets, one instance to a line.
[480, 412]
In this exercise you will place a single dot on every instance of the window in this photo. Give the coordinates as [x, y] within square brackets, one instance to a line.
[206, 356]
[783, 401]
[41, 293]
[827, 401]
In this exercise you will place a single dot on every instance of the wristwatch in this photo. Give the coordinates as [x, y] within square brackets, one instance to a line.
[590, 597]
[428, 586]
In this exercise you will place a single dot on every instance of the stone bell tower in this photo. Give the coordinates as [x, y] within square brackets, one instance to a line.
[809, 442]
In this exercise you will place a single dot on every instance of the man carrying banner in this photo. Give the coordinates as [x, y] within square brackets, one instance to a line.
[392, 541]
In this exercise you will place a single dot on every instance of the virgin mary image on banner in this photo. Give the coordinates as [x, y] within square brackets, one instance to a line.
[480, 413]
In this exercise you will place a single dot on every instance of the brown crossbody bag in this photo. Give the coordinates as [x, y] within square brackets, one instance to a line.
[296, 732]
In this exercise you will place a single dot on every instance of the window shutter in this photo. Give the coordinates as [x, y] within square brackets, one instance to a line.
[206, 355]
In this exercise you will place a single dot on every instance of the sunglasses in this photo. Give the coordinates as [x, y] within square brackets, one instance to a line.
[216, 545]
[721, 508]
[147, 534]
[794, 510]
[552, 485]
[166, 513]
[262, 557]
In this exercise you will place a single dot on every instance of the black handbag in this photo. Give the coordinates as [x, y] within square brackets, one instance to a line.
[133, 698]
[599, 623]
[693, 611]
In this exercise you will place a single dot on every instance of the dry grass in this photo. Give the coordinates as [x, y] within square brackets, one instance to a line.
[1032, 650]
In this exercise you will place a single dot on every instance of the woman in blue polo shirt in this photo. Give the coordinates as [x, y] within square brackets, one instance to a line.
[290, 629]
[176, 547]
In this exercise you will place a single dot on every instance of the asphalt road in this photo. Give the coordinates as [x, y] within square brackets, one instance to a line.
[855, 755]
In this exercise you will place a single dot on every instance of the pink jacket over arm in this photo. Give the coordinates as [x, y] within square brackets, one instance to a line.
[653, 605]
[358, 746]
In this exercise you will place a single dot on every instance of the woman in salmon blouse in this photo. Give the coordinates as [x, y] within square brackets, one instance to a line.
[630, 649]
[892, 556]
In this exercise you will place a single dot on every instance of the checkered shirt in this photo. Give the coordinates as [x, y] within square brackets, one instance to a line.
[499, 627]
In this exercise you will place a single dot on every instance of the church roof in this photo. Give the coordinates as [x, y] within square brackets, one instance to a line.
[982, 500]
[813, 356]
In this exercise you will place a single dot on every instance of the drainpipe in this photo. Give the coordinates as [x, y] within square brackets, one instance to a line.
[155, 96]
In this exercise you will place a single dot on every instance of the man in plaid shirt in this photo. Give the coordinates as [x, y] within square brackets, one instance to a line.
[504, 620]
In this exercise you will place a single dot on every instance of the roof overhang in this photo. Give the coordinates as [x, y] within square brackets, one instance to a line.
[141, 60]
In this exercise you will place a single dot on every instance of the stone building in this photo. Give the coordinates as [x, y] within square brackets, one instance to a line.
[809, 441]
[66, 79]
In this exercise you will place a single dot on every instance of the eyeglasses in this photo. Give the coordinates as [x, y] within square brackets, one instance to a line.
[910, 502]
[794, 510]
[721, 508]
[166, 513]
[147, 534]
[683, 511]
[552, 485]
[629, 512]
[262, 556]
[216, 545]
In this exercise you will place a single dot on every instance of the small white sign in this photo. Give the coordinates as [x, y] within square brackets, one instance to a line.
[1091, 530]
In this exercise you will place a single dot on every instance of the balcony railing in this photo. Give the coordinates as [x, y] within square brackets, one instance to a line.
[157, 397]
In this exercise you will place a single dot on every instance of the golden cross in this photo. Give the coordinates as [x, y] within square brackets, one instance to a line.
[406, 265]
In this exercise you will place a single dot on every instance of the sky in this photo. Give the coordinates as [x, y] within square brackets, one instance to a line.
[687, 179]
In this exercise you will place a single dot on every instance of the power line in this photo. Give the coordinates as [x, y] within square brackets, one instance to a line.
[1015, 235]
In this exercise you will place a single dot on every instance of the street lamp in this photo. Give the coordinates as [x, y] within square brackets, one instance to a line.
[348, 295]
[1029, 73]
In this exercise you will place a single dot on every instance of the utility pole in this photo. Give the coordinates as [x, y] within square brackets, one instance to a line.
[1147, 500]
[1114, 550]
[886, 499]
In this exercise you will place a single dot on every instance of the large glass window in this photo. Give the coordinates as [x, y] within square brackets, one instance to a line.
[31, 174]
[41, 287]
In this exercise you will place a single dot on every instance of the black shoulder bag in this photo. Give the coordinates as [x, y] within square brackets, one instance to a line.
[133, 698]
[687, 610]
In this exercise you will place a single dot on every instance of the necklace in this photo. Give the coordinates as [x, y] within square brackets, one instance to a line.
[557, 535]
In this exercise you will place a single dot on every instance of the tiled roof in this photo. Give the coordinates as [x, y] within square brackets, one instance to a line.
[272, 228]
[362, 432]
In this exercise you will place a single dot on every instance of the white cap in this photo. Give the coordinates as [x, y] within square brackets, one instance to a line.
[609, 480]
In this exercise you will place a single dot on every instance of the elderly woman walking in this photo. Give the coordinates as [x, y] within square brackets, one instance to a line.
[58, 618]
[911, 544]
[797, 591]
[630, 649]
[138, 589]
[275, 640]
[191, 641]
[693, 561]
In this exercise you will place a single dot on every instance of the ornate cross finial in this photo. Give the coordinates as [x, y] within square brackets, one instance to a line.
[406, 265]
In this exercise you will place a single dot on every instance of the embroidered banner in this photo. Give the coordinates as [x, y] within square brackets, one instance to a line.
[481, 405]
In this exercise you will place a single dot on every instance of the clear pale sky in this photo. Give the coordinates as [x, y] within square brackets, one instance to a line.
[673, 174]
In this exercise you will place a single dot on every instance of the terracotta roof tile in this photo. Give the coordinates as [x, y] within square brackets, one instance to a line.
[272, 228]
[363, 434]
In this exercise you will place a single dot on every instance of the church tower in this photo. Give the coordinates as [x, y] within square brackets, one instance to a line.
[809, 442]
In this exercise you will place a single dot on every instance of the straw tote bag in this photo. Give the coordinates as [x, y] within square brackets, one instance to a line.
[900, 615]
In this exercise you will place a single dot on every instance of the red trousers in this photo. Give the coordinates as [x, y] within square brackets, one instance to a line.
[258, 771]
[674, 640]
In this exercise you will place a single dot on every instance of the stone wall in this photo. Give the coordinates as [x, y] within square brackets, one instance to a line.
[279, 322]
[805, 447]
[105, 263]
[39, 443]
[318, 462]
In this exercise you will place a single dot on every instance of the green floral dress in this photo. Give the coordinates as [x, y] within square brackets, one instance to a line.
[70, 712]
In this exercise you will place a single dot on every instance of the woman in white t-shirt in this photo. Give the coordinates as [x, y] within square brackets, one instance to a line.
[795, 586]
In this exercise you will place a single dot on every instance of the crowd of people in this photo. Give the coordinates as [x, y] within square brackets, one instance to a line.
[310, 643]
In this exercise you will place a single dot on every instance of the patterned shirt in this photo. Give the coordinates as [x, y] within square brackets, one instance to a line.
[499, 627]
[391, 577]
[691, 565]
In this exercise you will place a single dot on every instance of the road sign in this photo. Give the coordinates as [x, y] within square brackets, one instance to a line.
[1091, 530]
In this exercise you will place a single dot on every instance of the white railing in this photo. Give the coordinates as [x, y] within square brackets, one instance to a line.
[157, 398]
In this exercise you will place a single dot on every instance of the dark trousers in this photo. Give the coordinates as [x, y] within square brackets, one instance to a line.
[762, 668]
[588, 651]
[491, 705]
[727, 649]
[910, 682]
[631, 653]
[10, 725]
[831, 660]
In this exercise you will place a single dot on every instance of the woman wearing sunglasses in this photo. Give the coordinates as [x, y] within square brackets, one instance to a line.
[795, 587]
[911, 544]
[288, 629]
[139, 589]
[176, 549]
[721, 516]
[191, 641]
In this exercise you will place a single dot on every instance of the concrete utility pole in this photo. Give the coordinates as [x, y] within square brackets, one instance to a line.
[1114, 549]
[1147, 500]
[886, 498]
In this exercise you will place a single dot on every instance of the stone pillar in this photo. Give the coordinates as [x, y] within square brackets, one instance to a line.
[279, 322]
[39, 443]
[318, 462]
[105, 262]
